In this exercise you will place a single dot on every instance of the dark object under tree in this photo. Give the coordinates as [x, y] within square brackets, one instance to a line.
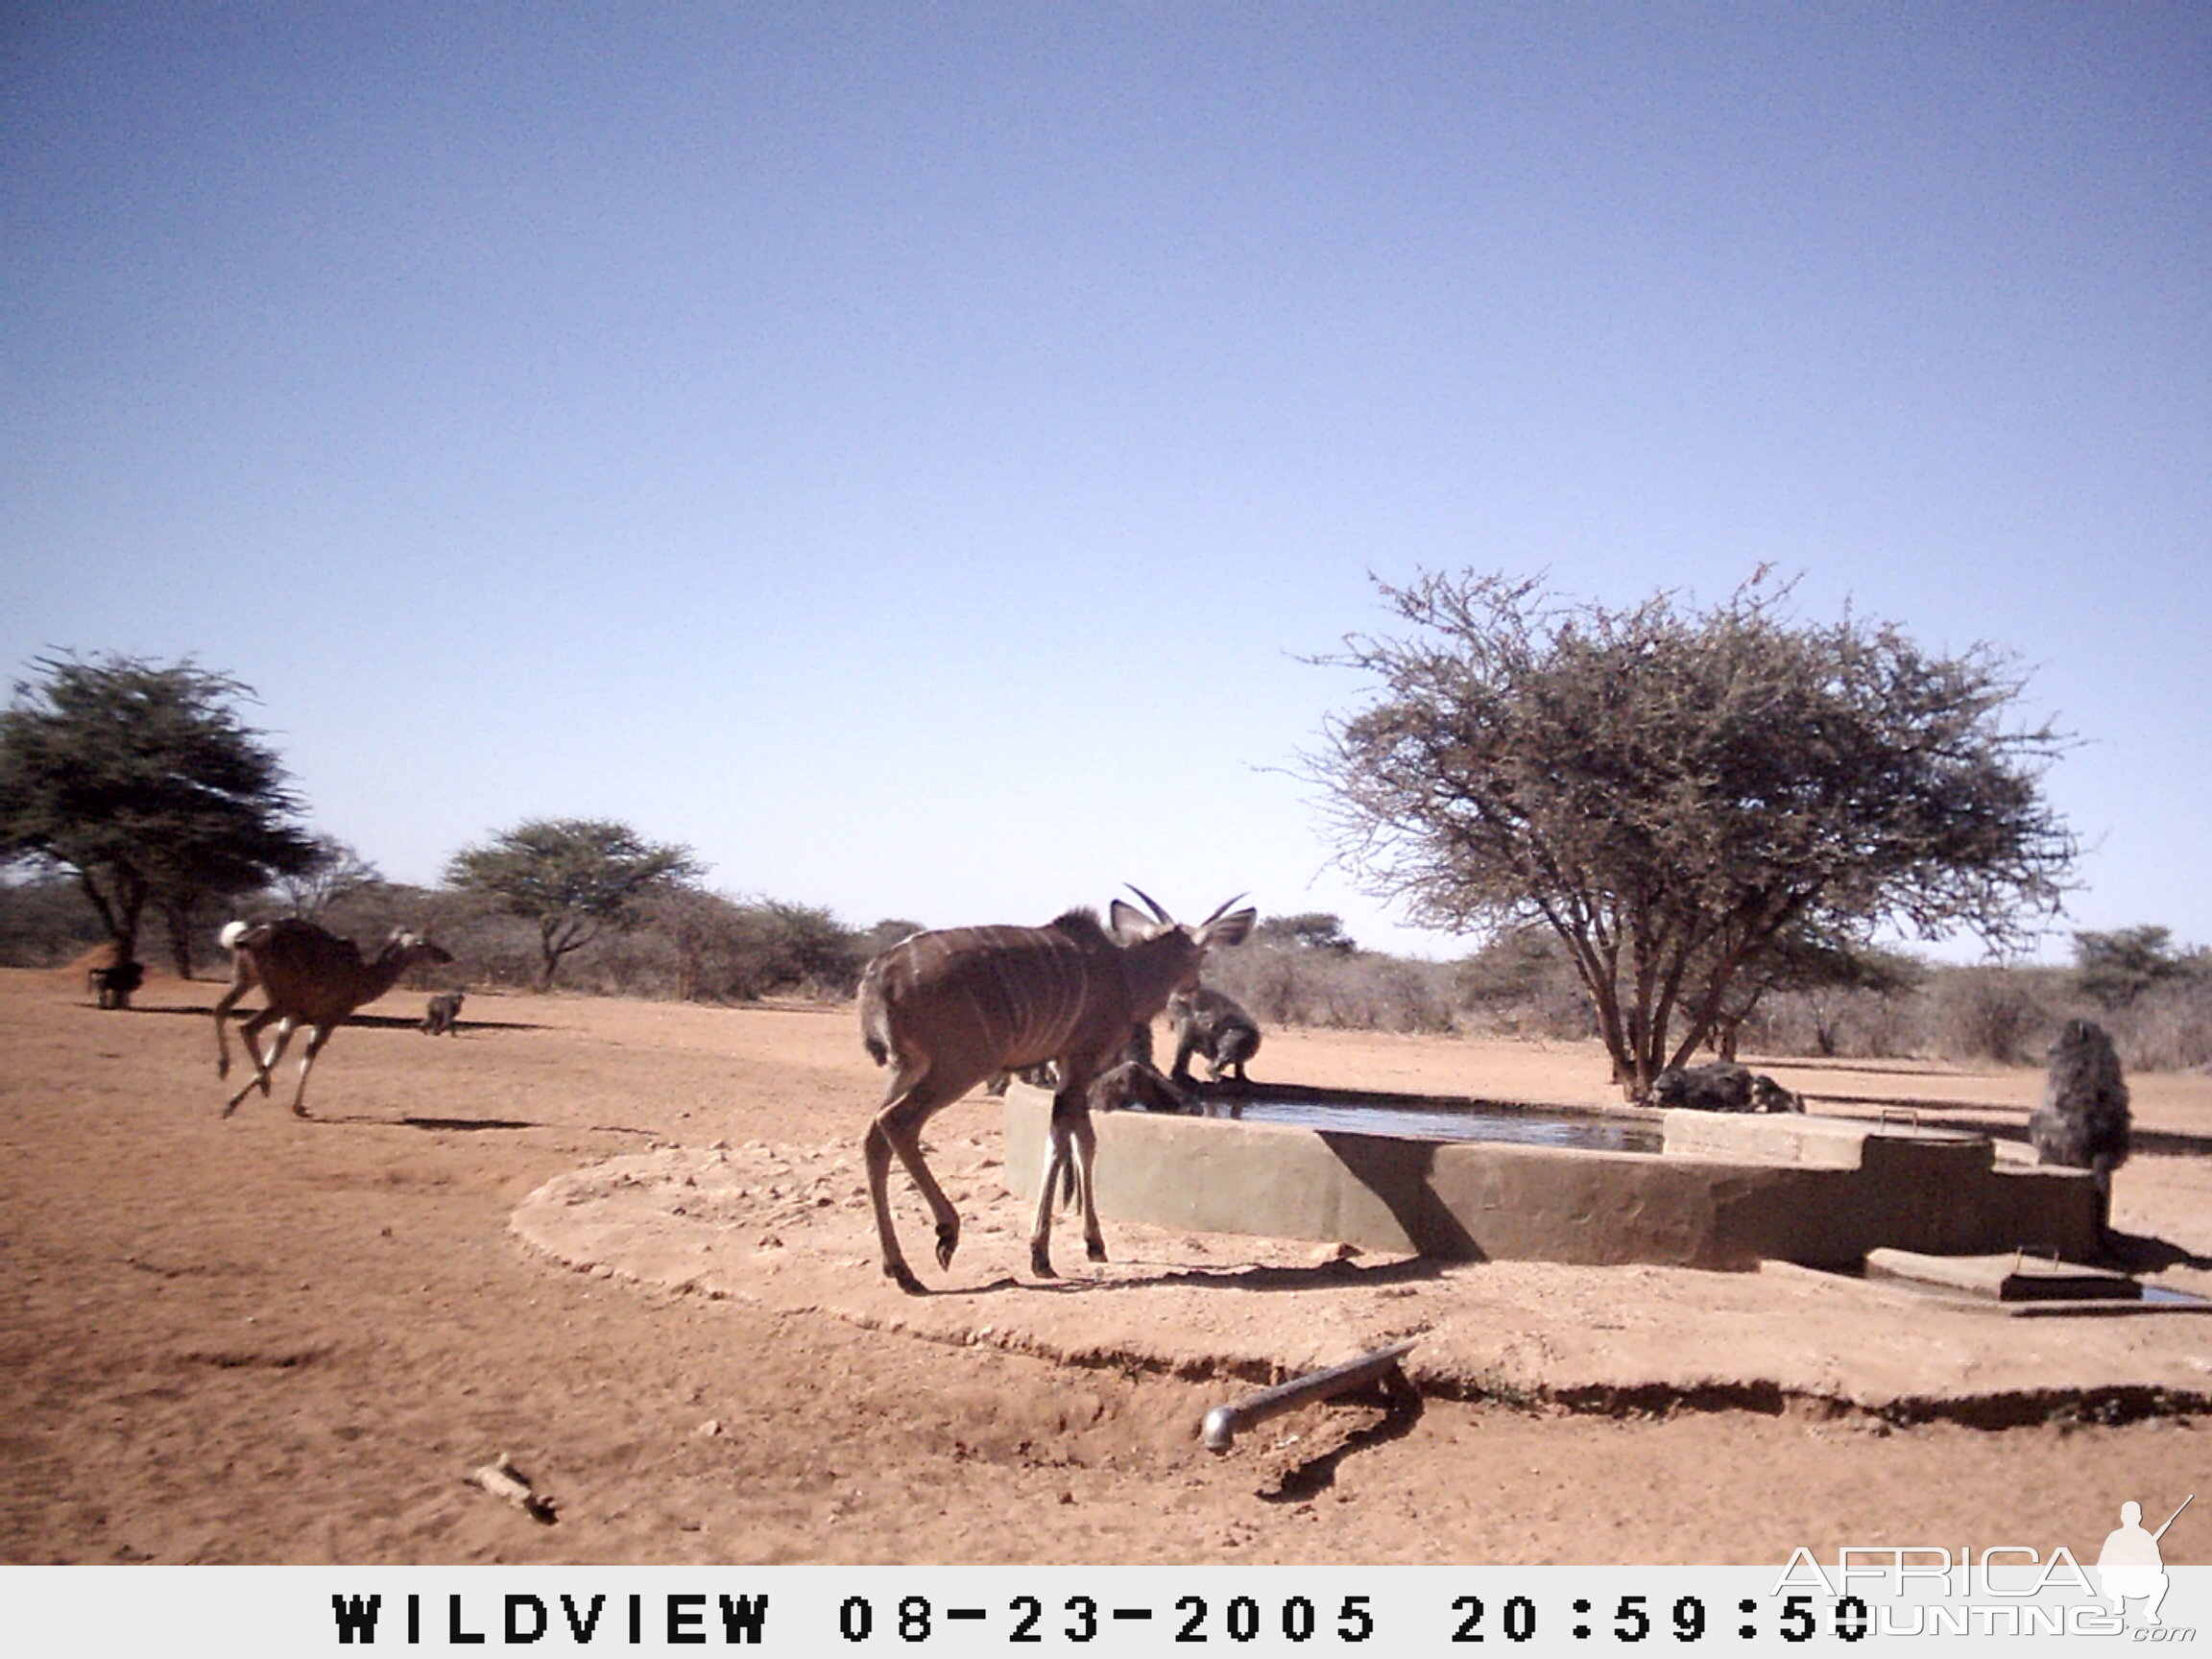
[141, 781]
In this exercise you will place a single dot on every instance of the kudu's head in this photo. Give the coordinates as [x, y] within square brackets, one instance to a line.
[412, 947]
[1163, 954]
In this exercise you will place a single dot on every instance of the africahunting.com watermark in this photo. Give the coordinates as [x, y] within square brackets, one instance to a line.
[2003, 1589]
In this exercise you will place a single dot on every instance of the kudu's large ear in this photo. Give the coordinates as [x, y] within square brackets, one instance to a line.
[1129, 923]
[1229, 930]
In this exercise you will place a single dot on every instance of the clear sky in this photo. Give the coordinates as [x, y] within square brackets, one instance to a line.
[905, 452]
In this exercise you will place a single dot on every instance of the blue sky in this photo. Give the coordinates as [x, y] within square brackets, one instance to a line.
[907, 451]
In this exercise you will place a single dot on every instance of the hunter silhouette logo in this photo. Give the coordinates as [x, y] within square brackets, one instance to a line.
[2130, 1567]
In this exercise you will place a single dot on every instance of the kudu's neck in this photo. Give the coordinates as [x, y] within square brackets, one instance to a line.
[382, 971]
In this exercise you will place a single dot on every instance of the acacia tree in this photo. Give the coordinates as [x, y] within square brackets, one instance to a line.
[1681, 795]
[2116, 968]
[1308, 931]
[141, 781]
[336, 871]
[575, 878]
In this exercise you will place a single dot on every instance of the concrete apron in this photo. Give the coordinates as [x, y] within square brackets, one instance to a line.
[1728, 1191]
[790, 1228]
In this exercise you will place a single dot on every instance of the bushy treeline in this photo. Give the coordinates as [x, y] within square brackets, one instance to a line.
[691, 945]
[2155, 1002]
[696, 945]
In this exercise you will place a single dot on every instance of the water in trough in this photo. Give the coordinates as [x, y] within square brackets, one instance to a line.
[1413, 1118]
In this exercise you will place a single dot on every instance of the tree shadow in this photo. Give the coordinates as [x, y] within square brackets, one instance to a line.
[374, 1022]
[1975, 1119]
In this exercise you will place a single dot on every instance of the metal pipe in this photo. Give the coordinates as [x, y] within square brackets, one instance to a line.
[1223, 1422]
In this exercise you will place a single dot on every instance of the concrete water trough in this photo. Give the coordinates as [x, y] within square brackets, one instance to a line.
[1721, 1191]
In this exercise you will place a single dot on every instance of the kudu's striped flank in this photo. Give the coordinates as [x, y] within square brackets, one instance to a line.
[948, 1009]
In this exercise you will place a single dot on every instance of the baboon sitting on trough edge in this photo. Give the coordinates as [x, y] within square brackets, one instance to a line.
[2084, 1122]
[1211, 1022]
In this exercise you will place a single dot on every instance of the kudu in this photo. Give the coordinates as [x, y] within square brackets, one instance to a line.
[309, 976]
[948, 1009]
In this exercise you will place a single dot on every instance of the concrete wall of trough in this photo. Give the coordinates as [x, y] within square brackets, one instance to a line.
[1727, 1193]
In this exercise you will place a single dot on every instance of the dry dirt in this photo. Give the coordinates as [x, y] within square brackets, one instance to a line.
[264, 1339]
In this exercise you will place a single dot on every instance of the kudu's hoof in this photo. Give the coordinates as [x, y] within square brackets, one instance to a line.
[947, 1242]
[1096, 1251]
[1041, 1265]
[903, 1276]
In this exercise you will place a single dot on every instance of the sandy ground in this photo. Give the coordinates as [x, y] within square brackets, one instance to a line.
[263, 1340]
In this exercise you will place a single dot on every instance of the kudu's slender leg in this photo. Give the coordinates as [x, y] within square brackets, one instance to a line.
[897, 1127]
[228, 1000]
[250, 1035]
[1073, 1145]
[317, 1035]
[1056, 1159]
[1086, 1161]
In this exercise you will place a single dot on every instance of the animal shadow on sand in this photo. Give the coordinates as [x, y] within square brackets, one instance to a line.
[1400, 1404]
[2140, 1253]
[460, 1125]
[466, 1124]
[1181, 1276]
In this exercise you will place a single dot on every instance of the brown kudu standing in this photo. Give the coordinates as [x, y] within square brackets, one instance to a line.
[309, 976]
[948, 1009]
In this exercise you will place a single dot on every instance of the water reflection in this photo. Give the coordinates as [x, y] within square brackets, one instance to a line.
[1533, 1126]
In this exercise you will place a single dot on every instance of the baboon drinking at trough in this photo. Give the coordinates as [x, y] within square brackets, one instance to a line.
[1213, 1023]
[1136, 1081]
[1721, 1087]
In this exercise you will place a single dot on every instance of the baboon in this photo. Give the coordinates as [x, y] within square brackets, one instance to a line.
[1721, 1087]
[1212, 1023]
[1036, 1077]
[2084, 1122]
[111, 987]
[442, 1016]
[1137, 1082]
